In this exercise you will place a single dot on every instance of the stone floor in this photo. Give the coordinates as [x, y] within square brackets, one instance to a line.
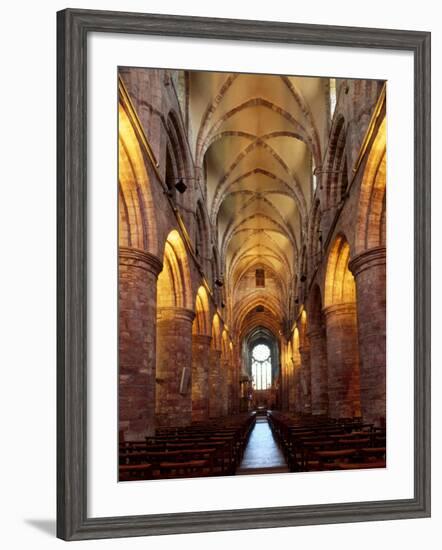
[262, 454]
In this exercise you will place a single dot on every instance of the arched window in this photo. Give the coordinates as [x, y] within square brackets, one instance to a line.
[261, 367]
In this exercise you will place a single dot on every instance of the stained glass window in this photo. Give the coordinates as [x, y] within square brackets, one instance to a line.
[261, 367]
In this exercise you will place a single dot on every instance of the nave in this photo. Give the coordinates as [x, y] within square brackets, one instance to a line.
[251, 273]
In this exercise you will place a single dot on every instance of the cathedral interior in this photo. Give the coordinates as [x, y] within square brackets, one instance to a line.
[252, 273]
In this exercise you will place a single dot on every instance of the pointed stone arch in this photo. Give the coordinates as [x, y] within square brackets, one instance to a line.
[224, 344]
[368, 266]
[174, 283]
[318, 353]
[201, 323]
[175, 315]
[215, 369]
[216, 332]
[339, 281]
[137, 222]
[370, 227]
[201, 341]
[295, 389]
[342, 333]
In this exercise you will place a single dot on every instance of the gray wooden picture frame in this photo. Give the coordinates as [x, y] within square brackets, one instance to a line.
[73, 27]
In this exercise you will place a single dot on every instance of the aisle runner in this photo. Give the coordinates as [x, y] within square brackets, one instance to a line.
[262, 454]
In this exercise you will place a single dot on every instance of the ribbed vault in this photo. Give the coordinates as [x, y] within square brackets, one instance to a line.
[256, 140]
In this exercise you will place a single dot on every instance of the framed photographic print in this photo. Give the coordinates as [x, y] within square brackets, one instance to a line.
[243, 274]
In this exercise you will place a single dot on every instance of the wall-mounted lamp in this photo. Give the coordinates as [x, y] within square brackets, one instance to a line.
[180, 185]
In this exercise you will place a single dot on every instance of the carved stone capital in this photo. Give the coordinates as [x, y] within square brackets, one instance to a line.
[202, 339]
[175, 314]
[336, 310]
[367, 260]
[316, 334]
[134, 257]
[304, 349]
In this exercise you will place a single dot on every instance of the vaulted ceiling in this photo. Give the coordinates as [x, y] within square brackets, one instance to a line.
[257, 139]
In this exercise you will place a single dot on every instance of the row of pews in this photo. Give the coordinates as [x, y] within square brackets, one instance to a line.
[203, 449]
[315, 443]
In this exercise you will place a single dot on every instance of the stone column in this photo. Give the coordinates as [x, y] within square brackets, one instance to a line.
[343, 361]
[291, 385]
[287, 369]
[224, 386]
[214, 391]
[137, 298]
[283, 386]
[174, 358]
[230, 386]
[305, 378]
[298, 407]
[200, 376]
[288, 378]
[369, 270]
[236, 389]
[318, 368]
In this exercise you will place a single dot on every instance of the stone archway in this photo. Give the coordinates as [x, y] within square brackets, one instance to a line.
[175, 316]
[368, 266]
[342, 333]
[138, 270]
[318, 353]
[201, 340]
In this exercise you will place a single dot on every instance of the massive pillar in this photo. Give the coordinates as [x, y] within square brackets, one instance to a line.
[305, 378]
[232, 385]
[285, 374]
[298, 404]
[296, 393]
[224, 386]
[369, 270]
[237, 392]
[137, 294]
[214, 376]
[291, 385]
[174, 366]
[284, 391]
[318, 368]
[343, 360]
[200, 376]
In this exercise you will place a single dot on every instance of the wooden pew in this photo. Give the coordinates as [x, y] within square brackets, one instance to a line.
[210, 448]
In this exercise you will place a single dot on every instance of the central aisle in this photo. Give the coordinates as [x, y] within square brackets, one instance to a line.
[262, 454]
